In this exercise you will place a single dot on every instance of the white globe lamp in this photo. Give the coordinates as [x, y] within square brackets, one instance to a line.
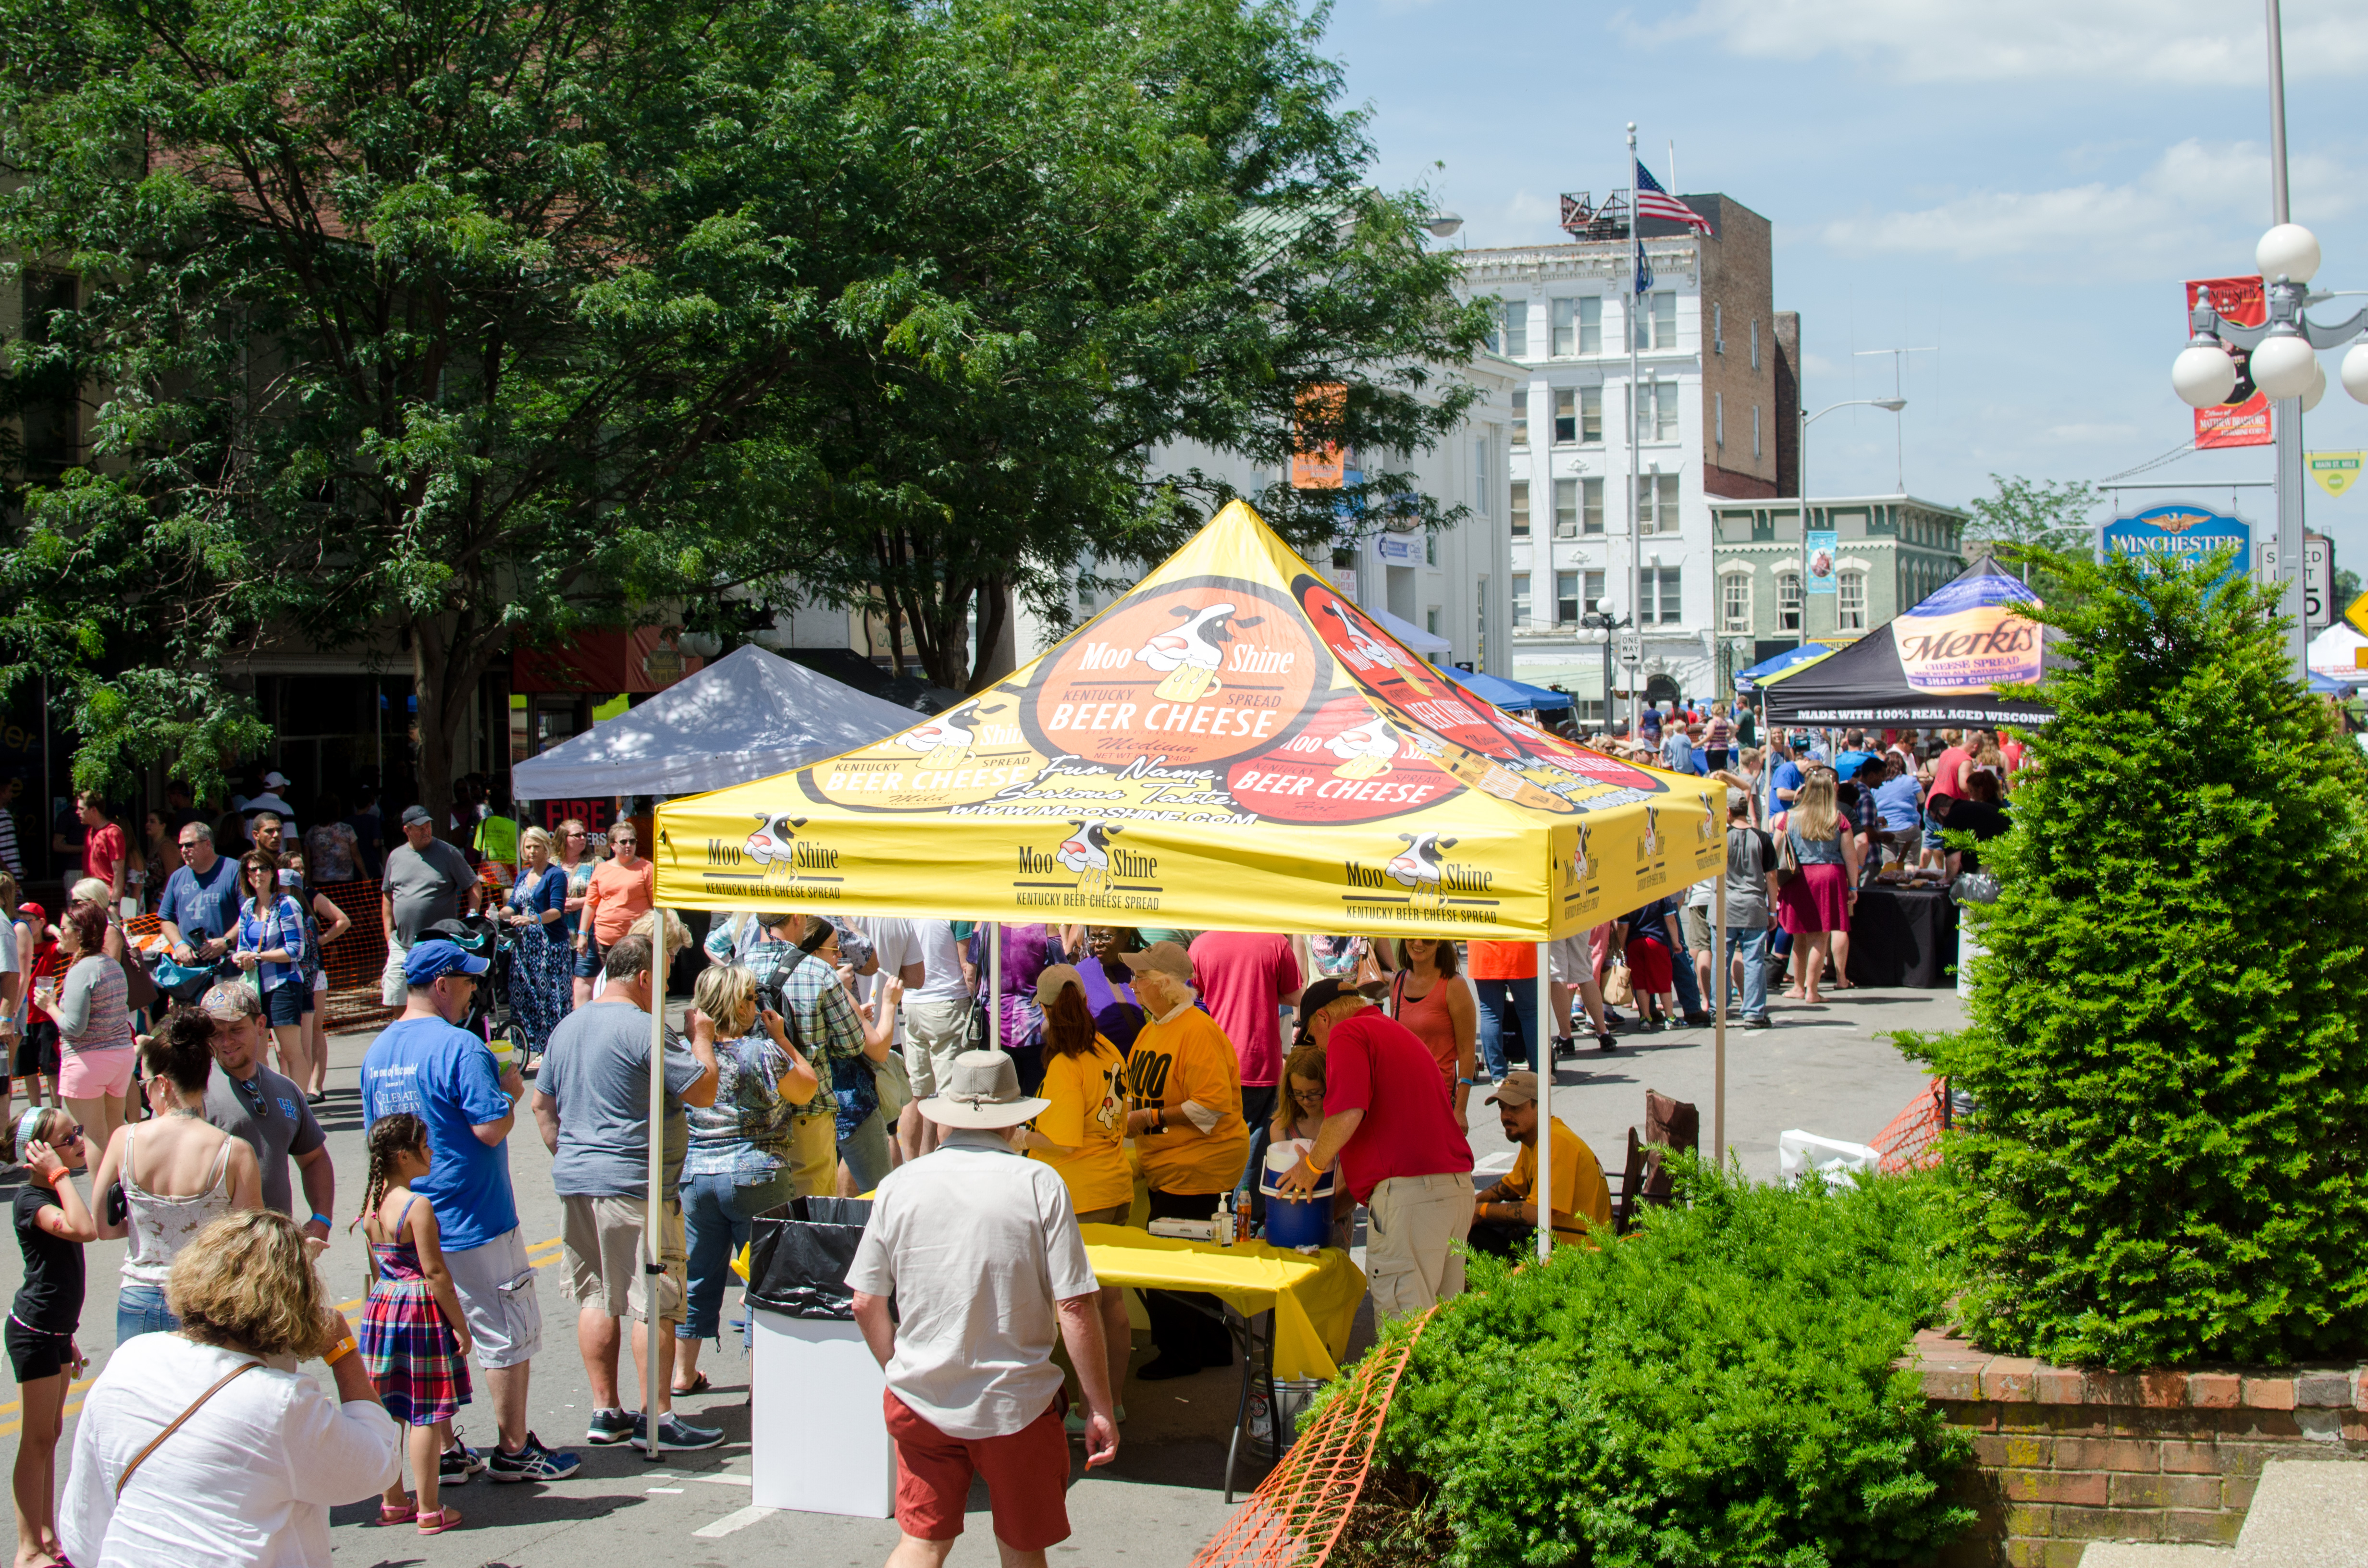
[2288, 251]
[2284, 363]
[2355, 371]
[2318, 385]
[2204, 375]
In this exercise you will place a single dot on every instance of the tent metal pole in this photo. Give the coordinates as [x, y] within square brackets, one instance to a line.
[994, 985]
[1541, 1048]
[1718, 963]
[652, 1206]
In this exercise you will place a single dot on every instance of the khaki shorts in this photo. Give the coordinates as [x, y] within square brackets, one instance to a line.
[391, 987]
[1415, 1231]
[934, 1033]
[1696, 922]
[603, 1237]
[894, 1083]
[1569, 960]
[496, 1284]
[813, 1154]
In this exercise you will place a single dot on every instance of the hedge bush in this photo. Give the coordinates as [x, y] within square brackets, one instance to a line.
[1715, 1389]
[2169, 1042]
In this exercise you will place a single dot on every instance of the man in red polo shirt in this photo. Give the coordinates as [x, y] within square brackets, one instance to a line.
[1389, 1125]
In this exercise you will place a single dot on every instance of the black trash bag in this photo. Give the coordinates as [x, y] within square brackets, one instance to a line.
[799, 1256]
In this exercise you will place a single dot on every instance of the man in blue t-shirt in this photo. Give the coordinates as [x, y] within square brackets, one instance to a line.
[1784, 776]
[446, 1076]
[1855, 756]
[199, 909]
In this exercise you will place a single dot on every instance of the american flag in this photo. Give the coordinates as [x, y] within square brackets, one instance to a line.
[1652, 201]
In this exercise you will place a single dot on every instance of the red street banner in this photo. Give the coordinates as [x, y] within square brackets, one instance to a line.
[2244, 419]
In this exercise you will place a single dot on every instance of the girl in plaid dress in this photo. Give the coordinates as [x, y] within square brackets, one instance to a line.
[415, 1341]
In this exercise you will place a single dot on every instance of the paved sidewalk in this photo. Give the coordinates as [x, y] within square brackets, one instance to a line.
[1822, 1069]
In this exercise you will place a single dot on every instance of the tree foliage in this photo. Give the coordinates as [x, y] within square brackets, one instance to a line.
[2027, 519]
[479, 323]
[2169, 1046]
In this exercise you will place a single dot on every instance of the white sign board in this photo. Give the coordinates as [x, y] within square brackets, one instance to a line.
[1398, 549]
[2318, 608]
[1632, 648]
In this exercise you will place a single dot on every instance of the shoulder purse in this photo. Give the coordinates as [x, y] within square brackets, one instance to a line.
[1788, 860]
[195, 1405]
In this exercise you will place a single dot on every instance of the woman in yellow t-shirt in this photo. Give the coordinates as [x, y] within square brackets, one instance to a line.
[1079, 1134]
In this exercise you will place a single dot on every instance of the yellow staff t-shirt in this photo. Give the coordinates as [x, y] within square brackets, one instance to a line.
[1087, 1114]
[1189, 1058]
[1578, 1185]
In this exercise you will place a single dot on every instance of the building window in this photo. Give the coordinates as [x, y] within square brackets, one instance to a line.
[1850, 601]
[1590, 505]
[1521, 418]
[1657, 503]
[1565, 416]
[1755, 343]
[1657, 411]
[1734, 603]
[1660, 587]
[1430, 549]
[1566, 598]
[1590, 415]
[1520, 508]
[1430, 620]
[1565, 326]
[1755, 430]
[1788, 601]
[1517, 328]
[1566, 508]
[1657, 321]
[1590, 323]
[1479, 477]
[1717, 328]
[1520, 598]
[1718, 419]
[1594, 592]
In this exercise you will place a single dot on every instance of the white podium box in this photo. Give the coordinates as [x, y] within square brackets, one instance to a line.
[818, 1438]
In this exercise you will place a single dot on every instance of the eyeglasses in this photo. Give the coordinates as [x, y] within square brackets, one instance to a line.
[192, 843]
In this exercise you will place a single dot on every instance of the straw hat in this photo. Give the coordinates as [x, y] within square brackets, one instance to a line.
[982, 1091]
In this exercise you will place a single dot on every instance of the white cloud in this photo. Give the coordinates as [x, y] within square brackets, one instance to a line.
[2160, 40]
[1526, 209]
[2092, 433]
[2198, 205]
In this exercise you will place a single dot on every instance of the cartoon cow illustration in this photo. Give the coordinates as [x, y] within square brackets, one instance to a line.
[1574, 871]
[1417, 867]
[1365, 750]
[769, 844]
[1650, 844]
[1377, 654]
[1087, 852]
[1194, 651]
[943, 738]
[1708, 826]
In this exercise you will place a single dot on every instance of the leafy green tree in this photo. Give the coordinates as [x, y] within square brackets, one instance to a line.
[2169, 1046]
[2027, 517]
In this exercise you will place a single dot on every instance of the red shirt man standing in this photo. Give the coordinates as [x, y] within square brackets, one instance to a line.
[105, 853]
[1246, 979]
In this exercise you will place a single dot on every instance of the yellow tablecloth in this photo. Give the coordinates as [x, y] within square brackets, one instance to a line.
[1314, 1298]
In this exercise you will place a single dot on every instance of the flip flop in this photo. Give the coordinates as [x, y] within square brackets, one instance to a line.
[445, 1519]
[698, 1385]
[403, 1516]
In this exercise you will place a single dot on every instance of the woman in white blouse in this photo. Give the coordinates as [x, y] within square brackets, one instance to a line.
[261, 1454]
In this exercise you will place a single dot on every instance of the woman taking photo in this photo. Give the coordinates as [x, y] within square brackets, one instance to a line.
[180, 1172]
[1080, 1132]
[269, 946]
[540, 965]
[1816, 903]
[574, 839]
[739, 1163]
[261, 1455]
[94, 1023]
[1429, 998]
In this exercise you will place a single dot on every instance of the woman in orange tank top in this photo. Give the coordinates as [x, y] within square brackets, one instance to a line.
[1431, 999]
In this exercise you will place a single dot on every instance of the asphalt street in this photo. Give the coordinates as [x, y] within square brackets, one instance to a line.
[1822, 1069]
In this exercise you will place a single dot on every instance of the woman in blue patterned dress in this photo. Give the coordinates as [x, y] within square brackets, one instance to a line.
[540, 993]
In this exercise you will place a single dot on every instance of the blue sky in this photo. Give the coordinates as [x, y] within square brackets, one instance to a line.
[2022, 183]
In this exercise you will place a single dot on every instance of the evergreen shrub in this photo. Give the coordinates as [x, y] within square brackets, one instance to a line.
[1715, 1389]
[2166, 1052]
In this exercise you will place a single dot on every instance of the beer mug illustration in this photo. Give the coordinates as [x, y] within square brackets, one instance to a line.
[1366, 751]
[1191, 654]
[1186, 683]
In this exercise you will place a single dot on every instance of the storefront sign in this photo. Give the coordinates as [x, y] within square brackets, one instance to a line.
[2184, 529]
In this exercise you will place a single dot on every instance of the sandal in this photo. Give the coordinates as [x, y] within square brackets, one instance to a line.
[698, 1385]
[390, 1514]
[439, 1521]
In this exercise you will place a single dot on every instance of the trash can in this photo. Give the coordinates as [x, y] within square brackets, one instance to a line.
[818, 1437]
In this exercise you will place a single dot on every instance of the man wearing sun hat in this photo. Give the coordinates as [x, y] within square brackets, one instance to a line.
[980, 1249]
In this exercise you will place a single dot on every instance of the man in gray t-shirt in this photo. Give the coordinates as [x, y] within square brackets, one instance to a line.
[423, 882]
[592, 1103]
[249, 1101]
[1750, 898]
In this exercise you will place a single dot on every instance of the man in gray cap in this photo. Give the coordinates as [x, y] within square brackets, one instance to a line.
[980, 1249]
[423, 882]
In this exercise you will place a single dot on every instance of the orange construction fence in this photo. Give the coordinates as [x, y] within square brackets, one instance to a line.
[1912, 1141]
[356, 960]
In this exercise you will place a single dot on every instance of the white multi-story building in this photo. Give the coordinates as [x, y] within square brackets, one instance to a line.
[1711, 411]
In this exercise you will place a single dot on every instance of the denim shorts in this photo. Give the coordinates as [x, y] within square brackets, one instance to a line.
[140, 1309]
[283, 1005]
[587, 962]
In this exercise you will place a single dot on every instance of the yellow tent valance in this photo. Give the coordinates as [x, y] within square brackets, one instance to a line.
[1232, 745]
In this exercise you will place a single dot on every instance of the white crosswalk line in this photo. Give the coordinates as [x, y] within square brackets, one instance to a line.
[740, 1520]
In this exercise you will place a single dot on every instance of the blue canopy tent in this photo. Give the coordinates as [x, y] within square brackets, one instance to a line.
[1747, 680]
[1513, 696]
[2320, 685]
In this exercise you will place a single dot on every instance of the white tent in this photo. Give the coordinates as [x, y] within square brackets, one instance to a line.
[1430, 644]
[749, 715]
[2331, 653]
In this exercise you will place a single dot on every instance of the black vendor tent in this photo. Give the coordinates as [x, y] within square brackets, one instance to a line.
[1935, 664]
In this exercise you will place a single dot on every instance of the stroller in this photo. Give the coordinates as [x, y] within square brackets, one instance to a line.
[489, 1010]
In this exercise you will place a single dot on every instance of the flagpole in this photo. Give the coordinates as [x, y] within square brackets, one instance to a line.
[1635, 414]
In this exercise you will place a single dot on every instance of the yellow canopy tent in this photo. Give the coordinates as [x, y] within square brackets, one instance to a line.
[1230, 746]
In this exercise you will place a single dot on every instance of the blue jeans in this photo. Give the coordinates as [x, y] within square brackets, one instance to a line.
[1506, 1004]
[1751, 947]
[715, 1217]
[140, 1309]
[1681, 974]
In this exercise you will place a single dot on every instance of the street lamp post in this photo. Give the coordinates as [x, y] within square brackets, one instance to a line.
[1600, 628]
[1801, 477]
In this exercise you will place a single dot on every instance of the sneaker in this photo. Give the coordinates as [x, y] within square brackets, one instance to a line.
[610, 1427]
[457, 1463]
[1564, 1047]
[1605, 1042]
[1758, 1021]
[532, 1462]
[676, 1433]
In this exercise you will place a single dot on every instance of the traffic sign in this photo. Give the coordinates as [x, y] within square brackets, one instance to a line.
[1632, 648]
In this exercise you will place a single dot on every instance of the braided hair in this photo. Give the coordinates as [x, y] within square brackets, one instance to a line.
[389, 1136]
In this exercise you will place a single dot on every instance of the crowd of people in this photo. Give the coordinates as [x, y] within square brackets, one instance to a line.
[820, 1056]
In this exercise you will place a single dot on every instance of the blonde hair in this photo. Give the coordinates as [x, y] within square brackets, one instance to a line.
[535, 836]
[677, 934]
[1813, 814]
[727, 993]
[11, 896]
[245, 1283]
[90, 889]
[571, 826]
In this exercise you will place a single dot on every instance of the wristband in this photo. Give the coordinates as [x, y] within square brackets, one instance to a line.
[338, 1352]
[323, 1221]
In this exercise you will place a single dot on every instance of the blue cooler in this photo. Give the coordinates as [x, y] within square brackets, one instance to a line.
[1296, 1222]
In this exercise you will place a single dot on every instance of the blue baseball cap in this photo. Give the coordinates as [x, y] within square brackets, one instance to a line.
[432, 960]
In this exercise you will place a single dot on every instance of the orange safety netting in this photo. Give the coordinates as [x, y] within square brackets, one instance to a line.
[356, 960]
[1912, 1142]
[1298, 1512]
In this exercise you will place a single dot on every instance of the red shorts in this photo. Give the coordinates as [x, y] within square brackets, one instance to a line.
[1027, 1476]
[1648, 967]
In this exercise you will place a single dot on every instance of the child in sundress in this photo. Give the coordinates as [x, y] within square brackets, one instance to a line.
[415, 1341]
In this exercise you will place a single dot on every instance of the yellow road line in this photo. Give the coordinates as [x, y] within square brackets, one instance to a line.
[9, 1428]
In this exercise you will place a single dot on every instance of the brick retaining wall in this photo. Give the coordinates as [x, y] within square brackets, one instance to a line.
[2066, 1456]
